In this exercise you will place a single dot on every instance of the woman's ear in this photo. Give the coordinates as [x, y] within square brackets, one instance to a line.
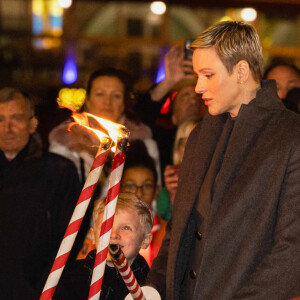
[147, 240]
[243, 71]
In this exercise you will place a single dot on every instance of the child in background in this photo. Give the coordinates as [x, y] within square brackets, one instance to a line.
[171, 173]
[140, 177]
[132, 231]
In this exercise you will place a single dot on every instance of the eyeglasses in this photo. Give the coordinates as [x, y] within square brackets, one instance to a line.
[147, 188]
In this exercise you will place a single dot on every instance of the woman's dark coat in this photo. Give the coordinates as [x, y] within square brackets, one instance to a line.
[252, 242]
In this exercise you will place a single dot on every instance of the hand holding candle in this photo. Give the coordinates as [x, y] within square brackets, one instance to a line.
[84, 199]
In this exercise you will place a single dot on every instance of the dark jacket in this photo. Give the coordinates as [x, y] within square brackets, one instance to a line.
[251, 246]
[38, 193]
[75, 281]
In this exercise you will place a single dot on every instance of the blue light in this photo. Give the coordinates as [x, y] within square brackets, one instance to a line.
[69, 75]
[160, 75]
[37, 24]
[56, 22]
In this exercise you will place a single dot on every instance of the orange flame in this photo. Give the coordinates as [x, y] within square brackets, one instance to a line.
[113, 130]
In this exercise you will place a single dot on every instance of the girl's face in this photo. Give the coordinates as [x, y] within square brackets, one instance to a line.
[140, 181]
[106, 98]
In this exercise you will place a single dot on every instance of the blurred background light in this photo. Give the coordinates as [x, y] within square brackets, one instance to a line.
[160, 74]
[225, 18]
[248, 14]
[37, 17]
[47, 18]
[158, 7]
[55, 12]
[71, 98]
[65, 3]
[46, 43]
[69, 75]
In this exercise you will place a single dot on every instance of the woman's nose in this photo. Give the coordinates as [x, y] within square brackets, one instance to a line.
[200, 87]
[106, 99]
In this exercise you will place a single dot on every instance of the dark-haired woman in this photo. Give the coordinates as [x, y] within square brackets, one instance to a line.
[110, 96]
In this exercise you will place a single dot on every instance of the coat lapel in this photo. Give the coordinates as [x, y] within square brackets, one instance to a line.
[246, 131]
[196, 161]
[195, 164]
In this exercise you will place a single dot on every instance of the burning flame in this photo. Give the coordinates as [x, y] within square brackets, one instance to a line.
[113, 130]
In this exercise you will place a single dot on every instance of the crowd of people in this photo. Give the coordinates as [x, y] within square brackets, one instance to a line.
[209, 195]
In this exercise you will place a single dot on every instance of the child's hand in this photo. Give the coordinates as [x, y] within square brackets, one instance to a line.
[171, 175]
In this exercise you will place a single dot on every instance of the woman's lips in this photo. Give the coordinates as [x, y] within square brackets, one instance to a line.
[206, 100]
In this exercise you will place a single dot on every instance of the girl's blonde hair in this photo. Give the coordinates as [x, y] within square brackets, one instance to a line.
[182, 133]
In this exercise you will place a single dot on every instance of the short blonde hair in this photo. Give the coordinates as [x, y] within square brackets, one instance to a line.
[127, 201]
[183, 132]
[233, 42]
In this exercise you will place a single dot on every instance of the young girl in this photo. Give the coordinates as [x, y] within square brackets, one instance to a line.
[167, 194]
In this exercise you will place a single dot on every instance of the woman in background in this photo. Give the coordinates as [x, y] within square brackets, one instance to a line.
[109, 95]
[167, 194]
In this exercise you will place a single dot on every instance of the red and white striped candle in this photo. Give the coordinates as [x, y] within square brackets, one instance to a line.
[108, 218]
[125, 271]
[76, 220]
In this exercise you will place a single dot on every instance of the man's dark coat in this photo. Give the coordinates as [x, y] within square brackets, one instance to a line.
[38, 192]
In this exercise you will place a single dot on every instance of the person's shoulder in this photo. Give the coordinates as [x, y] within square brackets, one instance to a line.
[140, 263]
[140, 269]
[62, 126]
[50, 156]
[140, 259]
[58, 162]
[290, 120]
[59, 132]
[286, 129]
